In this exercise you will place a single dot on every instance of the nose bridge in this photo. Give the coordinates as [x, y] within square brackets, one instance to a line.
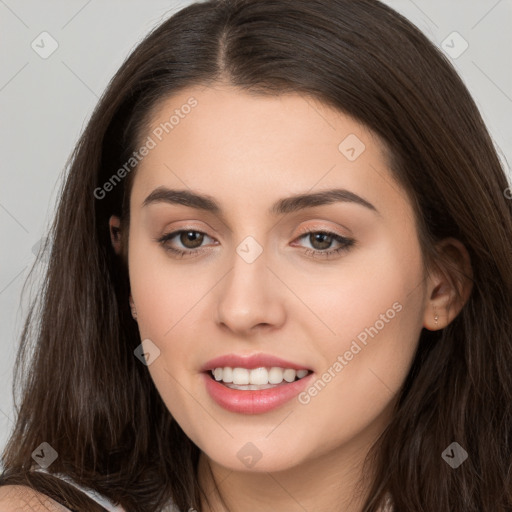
[247, 297]
[249, 264]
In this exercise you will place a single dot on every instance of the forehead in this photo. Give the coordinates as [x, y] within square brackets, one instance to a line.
[224, 139]
[230, 113]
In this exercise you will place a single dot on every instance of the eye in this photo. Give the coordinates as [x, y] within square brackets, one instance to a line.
[190, 239]
[322, 240]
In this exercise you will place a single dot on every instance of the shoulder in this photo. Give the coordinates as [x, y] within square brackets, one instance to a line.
[19, 498]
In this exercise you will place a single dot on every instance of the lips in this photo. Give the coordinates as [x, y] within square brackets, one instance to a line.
[254, 401]
[250, 362]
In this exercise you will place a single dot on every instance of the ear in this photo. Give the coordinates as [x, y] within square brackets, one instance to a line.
[115, 233]
[449, 286]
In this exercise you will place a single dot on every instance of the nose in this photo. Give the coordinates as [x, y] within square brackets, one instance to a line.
[251, 297]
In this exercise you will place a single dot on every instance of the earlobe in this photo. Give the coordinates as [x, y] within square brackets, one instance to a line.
[115, 233]
[133, 308]
[450, 286]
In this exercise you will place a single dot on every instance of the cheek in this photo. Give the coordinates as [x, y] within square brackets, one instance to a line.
[165, 315]
[371, 310]
[157, 287]
[170, 299]
[378, 279]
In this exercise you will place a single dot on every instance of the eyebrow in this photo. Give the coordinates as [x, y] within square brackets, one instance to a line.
[280, 207]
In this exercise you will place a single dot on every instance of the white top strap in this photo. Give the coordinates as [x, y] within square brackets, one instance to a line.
[98, 498]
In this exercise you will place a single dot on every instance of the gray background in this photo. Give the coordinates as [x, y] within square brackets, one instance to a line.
[45, 103]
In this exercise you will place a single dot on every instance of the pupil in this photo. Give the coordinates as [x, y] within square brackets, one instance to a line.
[191, 236]
[324, 245]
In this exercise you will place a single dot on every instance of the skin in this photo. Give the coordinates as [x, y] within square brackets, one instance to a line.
[247, 151]
[19, 498]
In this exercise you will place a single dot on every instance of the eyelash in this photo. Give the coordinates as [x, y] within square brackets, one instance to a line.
[347, 243]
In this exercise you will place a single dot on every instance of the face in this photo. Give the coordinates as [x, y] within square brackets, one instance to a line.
[335, 287]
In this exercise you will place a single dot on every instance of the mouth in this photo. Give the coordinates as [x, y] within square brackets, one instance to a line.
[255, 379]
[256, 390]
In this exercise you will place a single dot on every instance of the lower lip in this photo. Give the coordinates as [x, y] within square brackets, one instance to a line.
[254, 401]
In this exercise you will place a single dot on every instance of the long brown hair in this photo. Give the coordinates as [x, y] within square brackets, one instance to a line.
[86, 394]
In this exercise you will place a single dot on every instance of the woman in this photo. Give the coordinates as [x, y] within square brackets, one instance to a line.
[280, 279]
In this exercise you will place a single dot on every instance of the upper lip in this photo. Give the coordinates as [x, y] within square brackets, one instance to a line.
[250, 362]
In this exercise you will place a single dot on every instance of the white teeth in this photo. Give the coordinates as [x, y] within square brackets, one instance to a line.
[227, 374]
[240, 376]
[289, 375]
[251, 387]
[275, 375]
[256, 376]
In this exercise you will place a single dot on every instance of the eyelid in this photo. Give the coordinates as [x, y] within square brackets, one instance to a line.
[324, 229]
[302, 230]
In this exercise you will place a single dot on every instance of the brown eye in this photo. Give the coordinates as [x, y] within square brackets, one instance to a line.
[184, 242]
[324, 240]
[191, 239]
[321, 241]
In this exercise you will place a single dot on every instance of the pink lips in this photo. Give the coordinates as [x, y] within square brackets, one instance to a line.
[256, 401]
[252, 401]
